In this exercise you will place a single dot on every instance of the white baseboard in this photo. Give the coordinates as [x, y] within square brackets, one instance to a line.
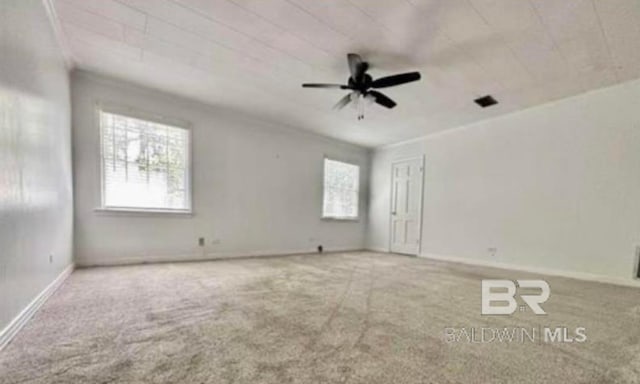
[378, 249]
[11, 330]
[540, 270]
[206, 257]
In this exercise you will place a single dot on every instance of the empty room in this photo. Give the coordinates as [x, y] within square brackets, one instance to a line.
[307, 191]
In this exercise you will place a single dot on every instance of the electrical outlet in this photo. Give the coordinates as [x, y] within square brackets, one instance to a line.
[492, 251]
[201, 241]
[50, 258]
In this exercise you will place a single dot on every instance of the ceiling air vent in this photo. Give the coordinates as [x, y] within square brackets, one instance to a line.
[486, 101]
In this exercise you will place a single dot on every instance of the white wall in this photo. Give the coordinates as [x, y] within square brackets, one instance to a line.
[257, 188]
[35, 157]
[555, 187]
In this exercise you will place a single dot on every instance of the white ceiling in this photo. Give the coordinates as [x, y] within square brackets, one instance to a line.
[252, 55]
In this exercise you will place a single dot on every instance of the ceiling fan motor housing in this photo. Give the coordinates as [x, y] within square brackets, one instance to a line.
[362, 85]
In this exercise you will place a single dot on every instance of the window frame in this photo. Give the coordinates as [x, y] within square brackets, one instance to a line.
[154, 118]
[340, 218]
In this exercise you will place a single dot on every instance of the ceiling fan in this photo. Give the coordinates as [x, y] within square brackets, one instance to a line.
[361, 83]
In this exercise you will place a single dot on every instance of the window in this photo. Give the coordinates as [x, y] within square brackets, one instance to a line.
[341, 188]
[145, 164]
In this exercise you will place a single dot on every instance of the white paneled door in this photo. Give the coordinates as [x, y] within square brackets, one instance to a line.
[406, 205]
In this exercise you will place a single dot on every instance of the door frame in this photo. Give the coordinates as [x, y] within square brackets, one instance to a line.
[421, 159]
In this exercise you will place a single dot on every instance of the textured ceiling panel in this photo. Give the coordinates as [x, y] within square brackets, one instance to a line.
[252, 55]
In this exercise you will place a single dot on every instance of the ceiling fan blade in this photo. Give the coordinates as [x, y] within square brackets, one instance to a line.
[314, 85]
[357, 67]
[382, 99]
[344, 101]
[390, 81]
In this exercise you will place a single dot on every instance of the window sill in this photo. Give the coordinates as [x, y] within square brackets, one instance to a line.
[344, 219]
[143, 212]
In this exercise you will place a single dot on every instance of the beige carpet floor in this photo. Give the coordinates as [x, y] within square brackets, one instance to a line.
[335, 318]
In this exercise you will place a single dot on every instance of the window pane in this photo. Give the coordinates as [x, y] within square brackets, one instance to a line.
[341, 185]
[145, 164]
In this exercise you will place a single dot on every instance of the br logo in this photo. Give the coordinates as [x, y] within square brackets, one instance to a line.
[498, 296]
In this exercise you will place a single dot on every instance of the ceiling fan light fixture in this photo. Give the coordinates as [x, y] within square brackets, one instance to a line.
[369, 99]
